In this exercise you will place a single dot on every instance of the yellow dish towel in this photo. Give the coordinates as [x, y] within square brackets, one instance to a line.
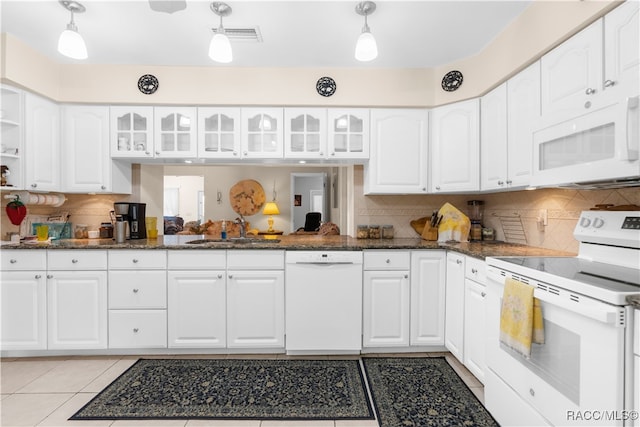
[521, 320]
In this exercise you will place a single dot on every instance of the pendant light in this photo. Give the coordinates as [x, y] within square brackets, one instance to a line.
[366, 47]
[71, 43]
[220, 47]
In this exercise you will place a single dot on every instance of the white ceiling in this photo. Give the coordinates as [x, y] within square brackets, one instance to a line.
[296, 33]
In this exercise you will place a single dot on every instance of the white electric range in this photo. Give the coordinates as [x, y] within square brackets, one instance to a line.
[583, 373]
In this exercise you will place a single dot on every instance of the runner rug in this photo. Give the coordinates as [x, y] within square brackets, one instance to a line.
[422, 392]
[234, 389]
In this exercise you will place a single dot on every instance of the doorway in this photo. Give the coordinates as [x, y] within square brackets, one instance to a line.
[308, 194]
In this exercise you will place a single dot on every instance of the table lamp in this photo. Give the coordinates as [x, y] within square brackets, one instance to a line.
[271, 208]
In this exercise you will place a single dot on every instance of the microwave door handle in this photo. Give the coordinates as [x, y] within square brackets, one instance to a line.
[632, 137]
[605, 314]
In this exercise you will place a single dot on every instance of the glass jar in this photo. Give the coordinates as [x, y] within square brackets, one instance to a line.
[81, 231]
[106, 230]
[374, 231]
[363, 232]
[387, 231]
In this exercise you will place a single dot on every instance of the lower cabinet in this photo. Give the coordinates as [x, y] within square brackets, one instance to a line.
[474, 330]
[427, 297]
[455, 305]
[77, 309]
[23, 308]
[137, 328]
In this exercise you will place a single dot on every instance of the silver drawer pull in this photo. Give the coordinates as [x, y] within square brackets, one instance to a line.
[231, 276]
[219, 276]
[474, 271]
[388, 261]
[609, 83]
[135, 290]
[406, 276]
[135, 261]
[74, 261]
[458, 261]
[590, 91]
[38, 276]
[135, 330]
[49, 276]
[13, 261]
[532, 392]
[483, 294]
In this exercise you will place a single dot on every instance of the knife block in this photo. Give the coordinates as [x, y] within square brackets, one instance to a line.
[430, 233]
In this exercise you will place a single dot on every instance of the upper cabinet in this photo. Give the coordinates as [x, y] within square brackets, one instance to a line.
[398, 157]
[131, 132]
[42, 144]
[509, 116]
[305, 133]
[348, 133]
[593, 69]
[219, 133]
[455, 147]
[12, 153]
[87, 166]
[261, 133]
[175, 132]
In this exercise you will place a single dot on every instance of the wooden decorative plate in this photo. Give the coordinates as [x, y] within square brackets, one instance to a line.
[247, 197]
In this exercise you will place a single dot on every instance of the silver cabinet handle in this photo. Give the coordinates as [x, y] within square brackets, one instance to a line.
[509, 182]
[424, 189]
[245, 153]
[458, 261]
[406, 276]
[13, 261]
[135, 261]
[148, 153]
[38, 276]
[49, 276]
[103, 187]
[333, 154]
[135, 330]
[590, 91]
[235, 153]
[321, 153]
[135, 290]
[34, 185]
[74, 261]
[219, 276]
[474, 271]
[500, 182]
[157, 153]
[388, 261]
[231, 276]
[483, 294]
[532, 392]
[437, 187]
[609, 83]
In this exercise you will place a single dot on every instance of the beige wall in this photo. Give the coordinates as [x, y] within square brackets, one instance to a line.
[537, 30]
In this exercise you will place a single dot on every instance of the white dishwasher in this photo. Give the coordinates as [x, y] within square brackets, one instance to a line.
[323, 302]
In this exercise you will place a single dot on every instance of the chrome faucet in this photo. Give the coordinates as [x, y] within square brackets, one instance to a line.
[243, 226]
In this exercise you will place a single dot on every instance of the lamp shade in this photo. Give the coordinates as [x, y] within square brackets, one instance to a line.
[220, 48]
[366, 47]
[271, 208]
[72, 44]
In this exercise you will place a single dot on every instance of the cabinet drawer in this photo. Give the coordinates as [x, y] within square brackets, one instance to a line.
[77, 260]
[137, 329]
[476, 270]
[255, 260]
[196, 259]
[134, 260]
[25, 260]
[137, 289]
[387, 260]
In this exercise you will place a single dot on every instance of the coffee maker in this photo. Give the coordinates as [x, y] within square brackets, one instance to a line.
[133, 214]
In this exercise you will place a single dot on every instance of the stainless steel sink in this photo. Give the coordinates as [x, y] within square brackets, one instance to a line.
[232, 240]
[205, 241]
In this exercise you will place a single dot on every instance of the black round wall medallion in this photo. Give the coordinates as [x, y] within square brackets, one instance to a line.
[326, 86]
[148, 84]
[452, 80]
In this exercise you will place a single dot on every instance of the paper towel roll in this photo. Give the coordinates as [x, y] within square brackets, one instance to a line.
[49, 199]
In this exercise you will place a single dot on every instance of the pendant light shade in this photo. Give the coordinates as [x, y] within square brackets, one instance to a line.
[220, 46]
[71, 43]
[366, 46]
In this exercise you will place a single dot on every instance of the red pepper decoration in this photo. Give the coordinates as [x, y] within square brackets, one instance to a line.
[16, 211]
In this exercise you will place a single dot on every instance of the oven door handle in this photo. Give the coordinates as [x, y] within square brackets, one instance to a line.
[593, 309]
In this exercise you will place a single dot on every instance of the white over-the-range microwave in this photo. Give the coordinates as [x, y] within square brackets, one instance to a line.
[600, 149]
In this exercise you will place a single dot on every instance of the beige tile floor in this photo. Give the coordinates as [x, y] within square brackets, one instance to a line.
[47, 391]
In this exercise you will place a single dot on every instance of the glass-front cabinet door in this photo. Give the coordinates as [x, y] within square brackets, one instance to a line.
[175, 132]
[219, 133]
[348, 133]
[305, 133]
[131, 131]
[262, 133]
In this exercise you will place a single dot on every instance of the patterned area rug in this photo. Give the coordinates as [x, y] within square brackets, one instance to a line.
[422, 392]
[234, 389]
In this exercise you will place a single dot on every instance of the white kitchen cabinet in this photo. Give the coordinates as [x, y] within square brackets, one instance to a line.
[348, 136]
[175, 132]
[23, 300]
[474, 317]
[137, 299]
[255, 299]
[428, 269]
[305, 133]
[131, 133]
[455, 305]
[196, 303]
[386, 297]
[12, 126]
[262, 133]
[398, 157]
[42, 144]
[622, 51]
[218, 133]
[636, 365]
[77, 299]
[493, 139]
[87, 165]
[455, 147]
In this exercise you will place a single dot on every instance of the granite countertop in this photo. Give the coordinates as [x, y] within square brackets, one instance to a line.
[301, 242]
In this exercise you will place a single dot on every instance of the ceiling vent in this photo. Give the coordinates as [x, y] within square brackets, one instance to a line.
[251, 35]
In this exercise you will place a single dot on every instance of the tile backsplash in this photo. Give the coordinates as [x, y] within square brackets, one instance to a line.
[563, 208]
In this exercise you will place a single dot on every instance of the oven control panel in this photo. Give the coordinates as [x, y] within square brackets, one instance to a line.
[615, 228]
